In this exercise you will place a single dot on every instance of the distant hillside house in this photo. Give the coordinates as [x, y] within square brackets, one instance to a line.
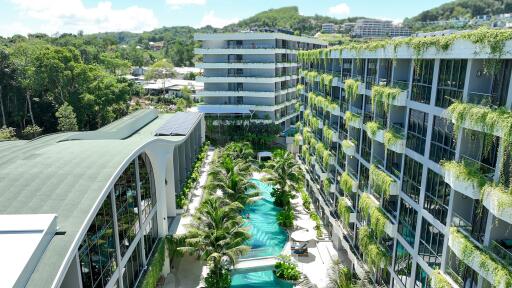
[328, 28]
[156, 46]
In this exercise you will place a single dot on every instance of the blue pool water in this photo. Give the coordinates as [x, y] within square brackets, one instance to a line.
[268, 239]
[258, 280]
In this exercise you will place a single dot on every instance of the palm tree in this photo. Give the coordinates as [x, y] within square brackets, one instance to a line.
[239, 150]
[339, 276]
[285, 174]
[217, 235]
[232, 177]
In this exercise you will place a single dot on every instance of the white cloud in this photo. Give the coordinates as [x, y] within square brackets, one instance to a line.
[70, 16]
[214, 21]
[341, 9]
[177, 4]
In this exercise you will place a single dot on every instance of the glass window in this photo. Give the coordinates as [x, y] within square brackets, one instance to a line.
[97, 252]
[452, 76]
[442, 146]
[147, 187]
[150, 235]
[437, 196]
[422, 278]
[412, 178]
[127, 207]
[394, 163]
[431, 244]
[366, 148]
[133, 268]
[422, 81]
[403, 264]
[417, 131]
[407, 222]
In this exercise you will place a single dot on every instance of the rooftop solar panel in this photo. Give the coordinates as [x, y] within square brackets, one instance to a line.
[178, 125]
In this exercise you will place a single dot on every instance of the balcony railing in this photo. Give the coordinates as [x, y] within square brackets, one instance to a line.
[501, 252]
[252, 46]
[400, 84]
[486, 170]
[484, 99]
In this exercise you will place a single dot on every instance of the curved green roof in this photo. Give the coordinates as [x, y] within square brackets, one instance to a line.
[51, 176]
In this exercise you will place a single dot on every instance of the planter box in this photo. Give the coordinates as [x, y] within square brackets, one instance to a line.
[180, 211]
[394, 188]
[390, 229]
[457, 245]
[465, 187]
[398, 147]
[379, 136]
[477, 127]
[357, 123]
[401, 99]
[492, 201]
[349, 148]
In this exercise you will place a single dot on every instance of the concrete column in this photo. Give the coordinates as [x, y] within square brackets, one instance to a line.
[435, 76]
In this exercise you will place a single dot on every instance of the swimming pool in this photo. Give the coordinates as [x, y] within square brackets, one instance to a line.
[267, 237]
[258, 279]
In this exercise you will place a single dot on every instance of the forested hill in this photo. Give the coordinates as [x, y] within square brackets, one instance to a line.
[463, 8]
[288, 18]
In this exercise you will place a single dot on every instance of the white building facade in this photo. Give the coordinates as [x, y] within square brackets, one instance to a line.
[253, 73]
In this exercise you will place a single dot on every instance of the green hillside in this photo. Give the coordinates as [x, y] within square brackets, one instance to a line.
[287, 18]
[463, 8]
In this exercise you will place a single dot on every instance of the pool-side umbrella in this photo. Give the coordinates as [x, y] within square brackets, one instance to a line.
[305, 223]
[303, 235]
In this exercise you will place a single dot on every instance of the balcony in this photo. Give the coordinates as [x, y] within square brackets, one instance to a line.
[463, 177]
[479, 118]
[353, 117]
[349, 147]
[499, 201]
[394, 139]
[483, 262]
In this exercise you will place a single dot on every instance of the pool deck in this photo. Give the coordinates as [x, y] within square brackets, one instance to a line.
[317, 264]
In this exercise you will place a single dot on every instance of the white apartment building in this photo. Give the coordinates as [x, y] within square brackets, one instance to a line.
[252, 73]
[373, 28]
[328, 28]
[436, 225]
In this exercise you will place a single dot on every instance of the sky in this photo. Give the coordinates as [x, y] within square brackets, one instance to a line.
[91, 16]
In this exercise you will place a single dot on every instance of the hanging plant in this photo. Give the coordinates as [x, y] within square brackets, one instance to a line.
[391, 137]
[347, 184]
[438, 280]
[372, 128]
[326, 81]
[466, 171]
[351, 89]
[380, 182]
[370, 210]
[468, 252]
[351, 118]
[326, 184]
[328, 134]
[326, 159]
[374, 255]
[296, 139]
[344, 211]
[300, 88]
[502, 196]
[319, 149]
[383, 95]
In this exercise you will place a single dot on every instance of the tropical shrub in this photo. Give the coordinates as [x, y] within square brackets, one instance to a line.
[285, 269]
[7, 133]
[306, 201]
[285, 217]
[154, 271]
[339, 276]
[31, 132]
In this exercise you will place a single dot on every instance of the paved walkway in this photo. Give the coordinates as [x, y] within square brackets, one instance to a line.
[317, 264]
[196, 196]
[187, 271]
